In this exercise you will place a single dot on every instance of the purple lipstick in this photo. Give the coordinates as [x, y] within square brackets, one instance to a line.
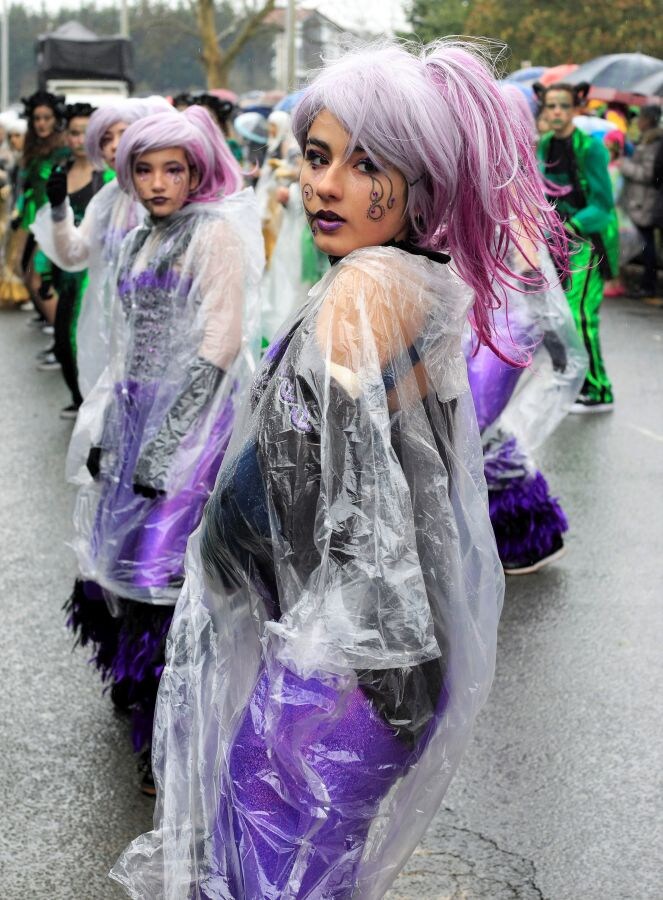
[327, 221]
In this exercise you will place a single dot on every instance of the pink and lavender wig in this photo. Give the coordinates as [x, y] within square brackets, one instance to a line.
[438, 116]
[521, 108]
[195, 132]
[129, 111]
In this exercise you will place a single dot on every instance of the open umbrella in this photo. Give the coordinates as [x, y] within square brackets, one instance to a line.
[616, 70]
[287, 104]
[558, 73]
[526, 76]
[651, 86]
[224, 94]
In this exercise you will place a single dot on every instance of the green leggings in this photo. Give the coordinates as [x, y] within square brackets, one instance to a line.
[584, 291]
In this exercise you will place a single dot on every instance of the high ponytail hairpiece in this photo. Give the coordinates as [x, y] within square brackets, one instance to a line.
[438, 116]
[128, 111]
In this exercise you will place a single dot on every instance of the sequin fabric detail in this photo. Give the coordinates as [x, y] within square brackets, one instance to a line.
[154, 300]
[300, 417]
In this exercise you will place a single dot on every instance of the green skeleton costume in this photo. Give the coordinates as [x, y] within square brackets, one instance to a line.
[580, 162]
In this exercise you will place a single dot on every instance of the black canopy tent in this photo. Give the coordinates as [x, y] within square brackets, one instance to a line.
[73, 51]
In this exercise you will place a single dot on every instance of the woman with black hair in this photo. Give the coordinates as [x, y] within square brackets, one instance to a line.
[79, 181]
[44, 149]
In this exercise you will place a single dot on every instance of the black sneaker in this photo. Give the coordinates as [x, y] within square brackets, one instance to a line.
[530, 566]
[586, 404]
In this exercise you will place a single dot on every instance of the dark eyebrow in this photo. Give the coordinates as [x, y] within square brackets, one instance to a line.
[318, 143]
[325, 146]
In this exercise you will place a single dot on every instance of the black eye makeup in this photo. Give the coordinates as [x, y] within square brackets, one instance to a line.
[315, 157]
[367, 166]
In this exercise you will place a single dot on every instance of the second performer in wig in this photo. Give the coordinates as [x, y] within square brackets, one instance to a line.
[151, 435]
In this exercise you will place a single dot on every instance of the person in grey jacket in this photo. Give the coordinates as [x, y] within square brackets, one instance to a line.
[641, 194]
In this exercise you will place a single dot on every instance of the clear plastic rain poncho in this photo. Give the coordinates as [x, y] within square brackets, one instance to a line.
[528, 403]
[94, 245]
[335, 637]
[150, 436]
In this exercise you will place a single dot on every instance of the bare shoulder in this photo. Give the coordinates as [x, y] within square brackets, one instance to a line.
[370, 302]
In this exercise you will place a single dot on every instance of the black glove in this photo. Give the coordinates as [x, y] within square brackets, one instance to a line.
[56, 186]
[94, 461]
[556, 349]
[144, 490]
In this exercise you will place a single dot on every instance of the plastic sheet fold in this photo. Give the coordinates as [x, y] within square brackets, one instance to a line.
[528, 403]
[335, 636]
[184, 340]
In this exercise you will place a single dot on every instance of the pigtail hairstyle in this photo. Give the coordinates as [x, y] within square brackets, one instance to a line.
[195, 132]
[78, 110]
[539, 92]
[439, 117]
[579, 92]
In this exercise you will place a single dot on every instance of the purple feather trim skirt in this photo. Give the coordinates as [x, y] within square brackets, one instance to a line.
[128, 650]
[527, 521]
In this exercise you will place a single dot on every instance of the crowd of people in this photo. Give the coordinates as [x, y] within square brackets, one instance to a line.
[311, 357]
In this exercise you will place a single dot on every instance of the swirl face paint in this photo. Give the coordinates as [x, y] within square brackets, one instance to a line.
[336, 185]
[307, 196]
[163, 180]
[376, 210]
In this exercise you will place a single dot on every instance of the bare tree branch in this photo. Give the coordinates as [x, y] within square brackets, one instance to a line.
[246, 32]
[226, 32]
[218, 61]
[167, 21]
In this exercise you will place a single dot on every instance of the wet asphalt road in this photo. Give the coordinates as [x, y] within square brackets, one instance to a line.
[559, 795]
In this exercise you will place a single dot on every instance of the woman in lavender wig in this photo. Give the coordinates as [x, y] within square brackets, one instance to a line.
[94, 245]
[335, 637]
[151, 435]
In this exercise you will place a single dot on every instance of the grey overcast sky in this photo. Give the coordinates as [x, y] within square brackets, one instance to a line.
[375, 16]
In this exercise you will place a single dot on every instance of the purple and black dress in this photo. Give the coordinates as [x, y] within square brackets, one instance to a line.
[335, 637]
[152, 433]
[518, 408]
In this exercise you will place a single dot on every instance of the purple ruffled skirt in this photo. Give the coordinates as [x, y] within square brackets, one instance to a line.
[138, 545]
